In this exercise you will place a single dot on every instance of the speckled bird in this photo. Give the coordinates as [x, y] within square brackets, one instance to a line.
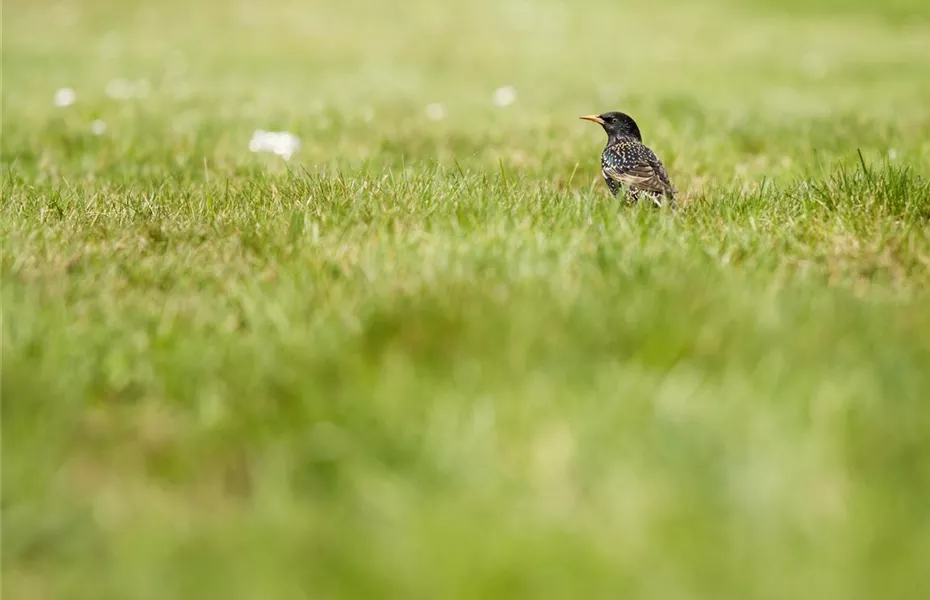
[627, 164]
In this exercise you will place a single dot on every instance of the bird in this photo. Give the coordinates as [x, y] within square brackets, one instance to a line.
[627, 164]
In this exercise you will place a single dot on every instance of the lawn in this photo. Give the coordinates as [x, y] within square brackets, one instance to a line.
[429, 356]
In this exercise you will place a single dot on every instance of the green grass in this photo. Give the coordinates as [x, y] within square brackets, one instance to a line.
[435, 359]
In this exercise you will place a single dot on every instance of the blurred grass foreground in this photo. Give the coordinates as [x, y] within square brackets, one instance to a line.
[327, 300]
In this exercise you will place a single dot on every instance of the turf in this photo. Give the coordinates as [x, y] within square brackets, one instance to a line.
[434, 359]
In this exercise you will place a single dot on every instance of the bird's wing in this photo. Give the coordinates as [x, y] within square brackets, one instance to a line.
[636, 165]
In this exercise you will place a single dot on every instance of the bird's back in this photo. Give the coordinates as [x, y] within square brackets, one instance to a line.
[628, 163]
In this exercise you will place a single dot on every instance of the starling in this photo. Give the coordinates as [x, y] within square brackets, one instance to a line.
[627, 163]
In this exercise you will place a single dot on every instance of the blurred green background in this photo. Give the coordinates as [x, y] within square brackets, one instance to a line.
[428, 356]
[714, 84]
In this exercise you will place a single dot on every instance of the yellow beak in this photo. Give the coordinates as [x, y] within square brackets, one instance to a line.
[594, 119]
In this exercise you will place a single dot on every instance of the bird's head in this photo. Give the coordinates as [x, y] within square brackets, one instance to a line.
[618, 125]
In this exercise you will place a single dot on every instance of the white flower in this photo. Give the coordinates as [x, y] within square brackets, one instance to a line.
[435, 111]
[98, 127]
[892, 153]
[504, 96]
[65, 97]
[282, 143]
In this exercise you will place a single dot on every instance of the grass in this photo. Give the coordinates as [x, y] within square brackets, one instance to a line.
[433, 359]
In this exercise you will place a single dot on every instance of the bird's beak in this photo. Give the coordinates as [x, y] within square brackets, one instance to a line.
[594, 119]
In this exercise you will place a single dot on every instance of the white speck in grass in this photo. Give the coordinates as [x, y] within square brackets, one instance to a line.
[504, 96]
[368, 114]
[65, 97]
[435, 111]
[98, 127]
[281, 143]
[892, 153]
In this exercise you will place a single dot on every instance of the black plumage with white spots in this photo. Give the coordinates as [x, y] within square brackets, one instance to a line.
[629, 165]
